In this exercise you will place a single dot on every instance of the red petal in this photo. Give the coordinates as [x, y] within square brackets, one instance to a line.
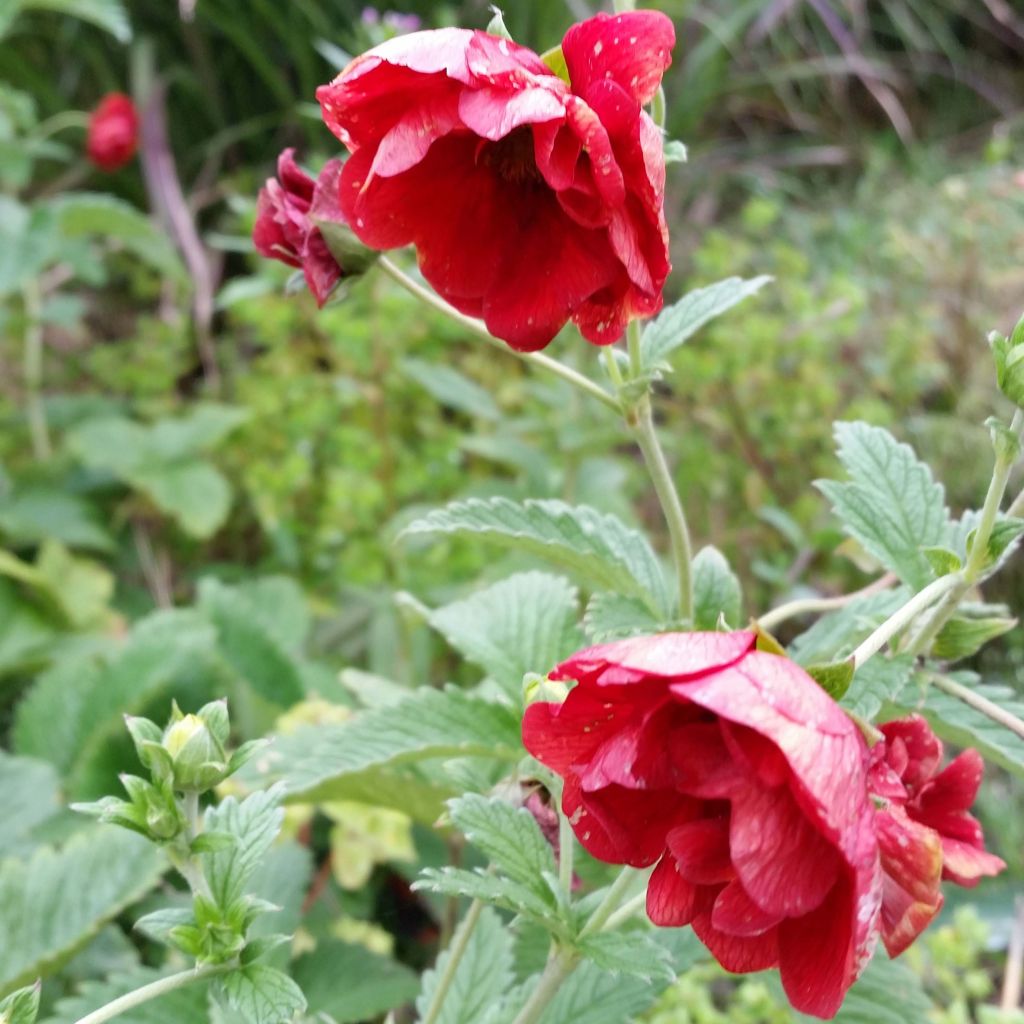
[916, 749]
[735, 913]
[702, 763]
[671, 900]
[701, 851]
[736, 953]
[668, 656]
[966, 864]
[954, 788]
[632, 49]
[783, 861]
[818, 957]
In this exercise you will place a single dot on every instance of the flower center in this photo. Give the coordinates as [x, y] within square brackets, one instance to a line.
[512, 157]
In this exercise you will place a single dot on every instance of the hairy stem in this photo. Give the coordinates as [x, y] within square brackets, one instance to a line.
[455, 954]
[480, 330]
[611, 902]
[902, 618]
[35, 409]
[809, 605]
[562, 963]
[154, 990]
[979, 703]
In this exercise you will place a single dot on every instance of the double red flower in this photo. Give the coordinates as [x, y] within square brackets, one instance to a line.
[288, 215]
[531, 200]
[113, 132]
[755, 796]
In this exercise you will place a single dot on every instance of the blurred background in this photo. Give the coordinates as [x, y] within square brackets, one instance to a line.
[202, 476]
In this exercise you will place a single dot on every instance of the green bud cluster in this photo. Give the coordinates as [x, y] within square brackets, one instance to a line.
[188, 756]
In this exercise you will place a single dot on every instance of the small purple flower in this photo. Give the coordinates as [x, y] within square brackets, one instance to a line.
[401, 23]
[370, 16]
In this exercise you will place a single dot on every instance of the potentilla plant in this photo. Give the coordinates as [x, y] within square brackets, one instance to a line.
[776, 808]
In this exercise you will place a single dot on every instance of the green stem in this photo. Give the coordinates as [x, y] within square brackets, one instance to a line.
[902, 618]
[808, 605]
[35, 408]
[475, 326]
[565, 855]
[611, 902]
[59, 122]
[455, 955]
[1016, 508]
[979, 703]
[628, 910]
[153, 991]
[675, 518]
[562, 963]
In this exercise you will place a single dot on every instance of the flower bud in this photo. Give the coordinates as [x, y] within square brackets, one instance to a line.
[196, 749]
[1009, 357]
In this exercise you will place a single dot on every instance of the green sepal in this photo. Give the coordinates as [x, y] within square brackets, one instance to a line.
[143, 732]
[1008, 353]
[215, 717]
[22, 1006]
[764, 641]
[1004, 440]
[160, 924]
[675, 152]
[963, 637]
[555, 60]
[245, 753]
[943, 561]
[835, 678]
[496, 26]
[352, 256]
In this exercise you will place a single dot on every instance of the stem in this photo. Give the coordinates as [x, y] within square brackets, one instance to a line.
[920, 602]
[35, 409]
[1016, 508]
[979, 703]
[559, 967]
[807, 605]
[1009, 998]
[153, 991]
[480, 330]
[626, 911]
[610, 903]
[565, 853]
[455, 955]
[58, 123]
[672, 508]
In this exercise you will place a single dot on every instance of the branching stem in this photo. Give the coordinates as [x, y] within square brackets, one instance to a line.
[154, 990]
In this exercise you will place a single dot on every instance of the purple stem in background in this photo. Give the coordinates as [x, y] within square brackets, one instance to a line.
[169, 205]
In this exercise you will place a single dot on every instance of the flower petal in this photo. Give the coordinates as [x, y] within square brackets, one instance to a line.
[632, 49]
[671, 900]
[735, 913]
[736, 953]
[700, 850]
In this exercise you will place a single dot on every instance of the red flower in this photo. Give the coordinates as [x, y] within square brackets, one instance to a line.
[925, 832]
[113, 132]
[287, 216]
[530, 201]
[735, 773]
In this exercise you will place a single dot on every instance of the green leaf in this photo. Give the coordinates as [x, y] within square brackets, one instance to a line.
[427, 724]
[611, 617]
[680, 321]
[878, 682]
[892, 504]
[963, 636]
[716, 590]
[942, 560]
[21, 1007]
[255, 823]
[499, 892]
[160, 923]
[52, 904]
[632, 952]
[183, 1005]
[29, 794]
[262, 995]
[963, 725]
[835, 635]
[194, 494]
[591, 995]
[598, 548]
[675, 152]
[109, 15]
[349, 984]
[835, 678]
[483, 975]
[509, 836]
[84, 214]
[451, 388]
[35, 514]
[1005, 539]
[496, 26]
[526, 623]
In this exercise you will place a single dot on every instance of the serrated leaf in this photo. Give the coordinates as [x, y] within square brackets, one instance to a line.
[591, 995]
[28, 796]
[892, 504]
[962, 636]
[160, 923]
[351, 984]
[680, 321]
[509, 836]
[427, 724]
[255, 823]
[716, 590]
[262, 995]
[52, 904]
[596, 547]
[942, 560]
[835, 635]
[876, 683]
[483, 975]
[477, 885]
[634, 952]
[526, 623]
[611, 617]
[963, 725]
